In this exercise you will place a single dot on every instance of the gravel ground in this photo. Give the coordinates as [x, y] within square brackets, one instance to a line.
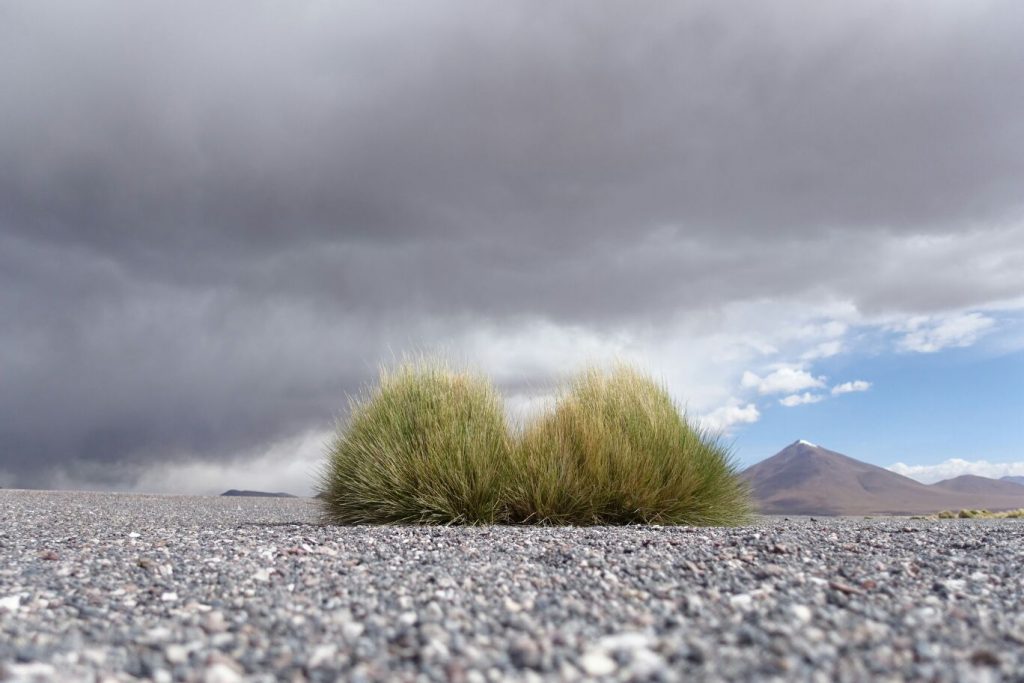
[112, 587]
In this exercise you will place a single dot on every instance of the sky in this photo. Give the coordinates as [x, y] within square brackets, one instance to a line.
[216, 221]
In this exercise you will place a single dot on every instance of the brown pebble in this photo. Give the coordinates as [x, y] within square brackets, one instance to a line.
[985, 658]
[845, 588]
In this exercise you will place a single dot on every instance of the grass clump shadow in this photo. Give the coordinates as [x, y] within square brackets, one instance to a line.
[431, 445]
[616, 450]
[428, 445]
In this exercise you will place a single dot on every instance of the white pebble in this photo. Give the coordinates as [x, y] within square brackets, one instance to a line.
[176, 654]
[221, 673]
[629, 640]
[29, 672]
[322, 654]
[597, 663]
[741, 600]
[802, 613]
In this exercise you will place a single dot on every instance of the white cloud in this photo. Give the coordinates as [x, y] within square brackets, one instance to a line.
[724, 417]
[955, 467]
[800, 399]
[785, 380]
[850, 387]
[823, 350]
[926, 334]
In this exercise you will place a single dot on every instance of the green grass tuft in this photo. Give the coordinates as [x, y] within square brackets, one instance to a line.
[616, 450]
[428, 445]
[982, 514]
[431, 445]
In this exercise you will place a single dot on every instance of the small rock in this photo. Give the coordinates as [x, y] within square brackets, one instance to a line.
[31, 671]
[214, 622]
[767, 571]
[524, 654]
[352, 630]
[845, 588]
[625, 641]
[597, 663]
[221, 672]
[694, 605]
[741, 601]
[322, 654]
[985, 658]
[646, 665]
[158, 634]
[176, 654]
[802, 613]
[954, 585]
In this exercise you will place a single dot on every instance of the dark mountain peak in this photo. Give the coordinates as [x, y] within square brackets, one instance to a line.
[804, 478]
[1013, 480]
[804, 456]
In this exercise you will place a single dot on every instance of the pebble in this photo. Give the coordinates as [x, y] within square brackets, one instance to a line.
[802, 613]
[597, 663]
[221, 673]
[174, 588]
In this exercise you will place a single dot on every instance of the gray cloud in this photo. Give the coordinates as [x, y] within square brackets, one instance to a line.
[213, 222]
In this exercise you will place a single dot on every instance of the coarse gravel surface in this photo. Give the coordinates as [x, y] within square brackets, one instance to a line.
[112, 587]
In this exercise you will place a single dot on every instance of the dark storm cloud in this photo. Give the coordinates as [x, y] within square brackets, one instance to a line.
[213, 219]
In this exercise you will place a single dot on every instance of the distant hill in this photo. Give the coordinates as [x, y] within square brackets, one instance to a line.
[970, 483]
[806, 479]
[257, 494]
[1015, 480]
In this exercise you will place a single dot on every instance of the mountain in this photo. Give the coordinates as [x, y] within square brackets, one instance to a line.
[970, 483]
[257, 494]
[806, 479]
[1015, 480]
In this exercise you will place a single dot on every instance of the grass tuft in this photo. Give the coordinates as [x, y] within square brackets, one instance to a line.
[616, 450]
[981, 514]
[428, 445]
[431, 445]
